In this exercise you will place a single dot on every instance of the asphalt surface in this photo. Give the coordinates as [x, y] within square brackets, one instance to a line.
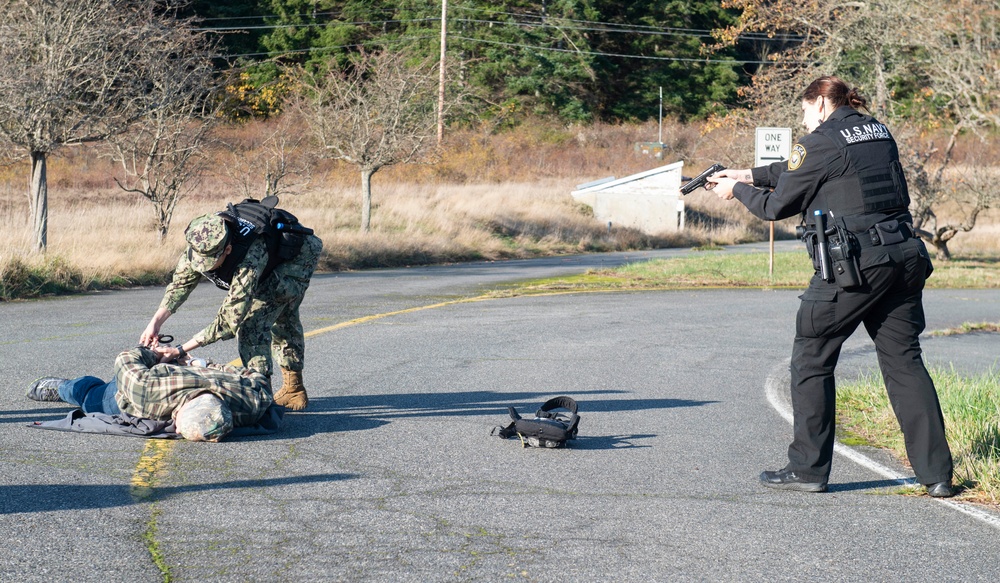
[392, 474]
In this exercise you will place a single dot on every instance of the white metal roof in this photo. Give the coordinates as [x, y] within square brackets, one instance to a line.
[602, 185]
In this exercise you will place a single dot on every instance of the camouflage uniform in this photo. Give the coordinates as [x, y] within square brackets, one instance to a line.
[262, 313]
[154, 391]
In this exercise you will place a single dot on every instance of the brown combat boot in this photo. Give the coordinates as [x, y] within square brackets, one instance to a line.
[292, 394]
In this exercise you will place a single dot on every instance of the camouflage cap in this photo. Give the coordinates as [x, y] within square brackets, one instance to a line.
[206, 238]
[204, 418]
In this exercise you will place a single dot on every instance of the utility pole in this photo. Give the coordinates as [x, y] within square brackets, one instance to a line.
[660, 138]
[444, 47]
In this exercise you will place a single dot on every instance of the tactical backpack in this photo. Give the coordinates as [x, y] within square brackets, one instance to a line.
[549, 428]
[251, 219]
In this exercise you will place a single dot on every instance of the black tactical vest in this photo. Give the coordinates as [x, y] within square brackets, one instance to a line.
[245, 222]
[874, 185]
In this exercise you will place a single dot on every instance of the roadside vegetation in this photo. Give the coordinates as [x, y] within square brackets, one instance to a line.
[490, 197]
[971, 406]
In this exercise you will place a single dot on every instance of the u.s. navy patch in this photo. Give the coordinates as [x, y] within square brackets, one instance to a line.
[798, 155]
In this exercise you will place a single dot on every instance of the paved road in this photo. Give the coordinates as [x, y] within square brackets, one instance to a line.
[392, 473]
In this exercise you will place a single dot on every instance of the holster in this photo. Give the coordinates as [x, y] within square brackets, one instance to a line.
[845, 255]
[843, 250]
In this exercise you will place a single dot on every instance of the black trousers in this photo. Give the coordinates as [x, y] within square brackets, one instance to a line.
[889, 305]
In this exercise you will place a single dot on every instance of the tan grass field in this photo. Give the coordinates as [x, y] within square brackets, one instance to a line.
[490, 197]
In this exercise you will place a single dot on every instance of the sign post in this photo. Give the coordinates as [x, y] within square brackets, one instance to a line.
[772, 145]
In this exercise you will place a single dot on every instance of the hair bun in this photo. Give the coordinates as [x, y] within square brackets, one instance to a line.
[855, 100]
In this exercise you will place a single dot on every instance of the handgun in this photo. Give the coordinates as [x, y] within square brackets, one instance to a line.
[700, 180]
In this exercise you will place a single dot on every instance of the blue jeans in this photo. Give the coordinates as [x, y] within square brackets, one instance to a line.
[91, 394]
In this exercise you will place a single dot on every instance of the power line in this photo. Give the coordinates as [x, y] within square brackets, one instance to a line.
[692, 31]
[546, 22]
[309, 25]
[731, 62]
[663, 32]
[619, 55]
[265, 16]
[382, 41]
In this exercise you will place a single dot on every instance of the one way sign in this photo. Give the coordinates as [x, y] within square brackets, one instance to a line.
[773, 145]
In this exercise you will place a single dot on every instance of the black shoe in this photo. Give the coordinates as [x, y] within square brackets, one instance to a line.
[940, 490]
[786, 480]
[45, 389]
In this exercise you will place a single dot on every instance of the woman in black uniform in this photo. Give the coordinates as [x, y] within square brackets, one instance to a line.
[845, 174]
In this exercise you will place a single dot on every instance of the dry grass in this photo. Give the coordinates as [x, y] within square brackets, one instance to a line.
[489, 197]
[412, 223]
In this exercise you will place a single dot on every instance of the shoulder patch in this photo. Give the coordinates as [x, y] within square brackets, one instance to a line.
[797, 156]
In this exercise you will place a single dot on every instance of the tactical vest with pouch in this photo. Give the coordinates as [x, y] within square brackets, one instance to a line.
[250, 219]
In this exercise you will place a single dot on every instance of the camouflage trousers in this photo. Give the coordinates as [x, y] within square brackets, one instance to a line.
[272, 326]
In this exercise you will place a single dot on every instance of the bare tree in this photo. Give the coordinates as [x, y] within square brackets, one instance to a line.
[278, 165]
[830, 37]
[72, 73]
[379, 112]
[161, 157]
[946, 204]
[961, 68]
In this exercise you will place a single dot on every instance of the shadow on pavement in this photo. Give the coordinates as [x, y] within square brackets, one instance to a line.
[432, 404]
[49, 497]
[870, 485]
[363, 412]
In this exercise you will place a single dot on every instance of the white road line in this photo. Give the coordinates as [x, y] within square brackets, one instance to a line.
[777, 385]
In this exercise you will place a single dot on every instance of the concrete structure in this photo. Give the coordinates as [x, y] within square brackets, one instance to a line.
[649, 201]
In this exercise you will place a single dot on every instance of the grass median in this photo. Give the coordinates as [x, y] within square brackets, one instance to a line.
[971, 404]
[713, 267]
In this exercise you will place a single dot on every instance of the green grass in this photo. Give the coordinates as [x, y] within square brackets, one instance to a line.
[968, 328]
[153, 545]
[707, 268]
[971, 406]
[739, 270]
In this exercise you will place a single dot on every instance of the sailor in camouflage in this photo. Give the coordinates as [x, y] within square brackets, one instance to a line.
[261, 308]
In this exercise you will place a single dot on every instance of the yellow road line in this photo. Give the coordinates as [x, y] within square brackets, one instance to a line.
[373, 317]
[151, 462]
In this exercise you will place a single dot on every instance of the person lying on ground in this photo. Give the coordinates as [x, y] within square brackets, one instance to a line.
[204, 400]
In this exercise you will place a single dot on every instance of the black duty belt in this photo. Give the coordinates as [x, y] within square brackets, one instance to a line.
[885, 233]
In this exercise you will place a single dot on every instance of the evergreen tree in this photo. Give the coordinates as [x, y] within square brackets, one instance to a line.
[575, 59]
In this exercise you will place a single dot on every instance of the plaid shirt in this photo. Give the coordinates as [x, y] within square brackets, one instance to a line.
[238, 300]
[155, 391]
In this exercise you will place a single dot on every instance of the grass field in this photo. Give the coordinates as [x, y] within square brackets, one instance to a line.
[490, 197]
